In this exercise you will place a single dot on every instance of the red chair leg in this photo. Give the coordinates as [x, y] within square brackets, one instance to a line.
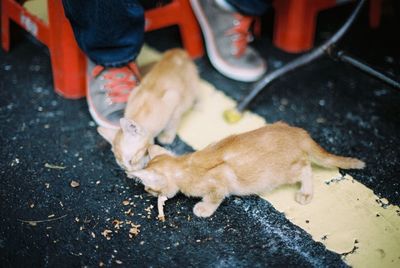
[5, 27]
[67, 60]
[190, 31]
[295, 22]
[375, 7]
[294, 25]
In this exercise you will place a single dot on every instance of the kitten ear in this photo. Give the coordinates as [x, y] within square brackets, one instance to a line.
[155, 150]
[130, 127]
[107, 133]
[148, 178]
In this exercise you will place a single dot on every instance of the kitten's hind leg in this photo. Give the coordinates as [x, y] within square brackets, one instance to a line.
[305, 194]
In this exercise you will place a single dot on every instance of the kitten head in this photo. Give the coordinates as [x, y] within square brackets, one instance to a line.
[129, 144]
[157, 177]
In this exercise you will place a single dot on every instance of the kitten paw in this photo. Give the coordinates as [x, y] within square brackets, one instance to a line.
[203, 210]
[303, 198]
[166, 138]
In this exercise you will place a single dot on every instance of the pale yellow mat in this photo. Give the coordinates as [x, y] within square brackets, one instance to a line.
[344, 215]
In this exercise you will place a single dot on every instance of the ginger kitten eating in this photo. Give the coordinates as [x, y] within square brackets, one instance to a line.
[154, 109]
[250, 163]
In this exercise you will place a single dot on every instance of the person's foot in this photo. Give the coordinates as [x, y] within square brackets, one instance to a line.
[226, 35]
[108, 91]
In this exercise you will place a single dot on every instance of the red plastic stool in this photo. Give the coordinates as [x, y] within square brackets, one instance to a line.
[295, 22]
[67, 61]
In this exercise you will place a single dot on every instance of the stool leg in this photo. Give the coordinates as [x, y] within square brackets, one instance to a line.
[5, 27]
[294, 27]
[190, 31]
[67, 61]
[375, 7]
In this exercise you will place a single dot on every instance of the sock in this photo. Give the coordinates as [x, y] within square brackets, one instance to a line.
[224, 5]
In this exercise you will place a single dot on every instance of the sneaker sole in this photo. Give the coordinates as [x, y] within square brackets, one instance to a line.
[218, 62]
[100, 120]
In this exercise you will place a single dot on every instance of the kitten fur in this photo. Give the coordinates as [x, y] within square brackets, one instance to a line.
[254, 162]
[154, 109]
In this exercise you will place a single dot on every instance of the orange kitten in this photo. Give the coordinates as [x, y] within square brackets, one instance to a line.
[154, 109]
[254, 162]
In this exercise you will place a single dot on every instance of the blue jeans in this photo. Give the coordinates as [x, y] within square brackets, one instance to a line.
[110, 32]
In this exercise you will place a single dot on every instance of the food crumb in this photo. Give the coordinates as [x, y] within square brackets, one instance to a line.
[106, 233]
[74, 184]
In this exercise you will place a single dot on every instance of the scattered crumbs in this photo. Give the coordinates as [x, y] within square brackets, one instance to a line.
[377, 215]
[32, 223]
[106, 233]
[307, 221]
[51, 216]
[40, 109]
[383, 202]
[76, 219]
[48, 227]
[118, 261]
[324, 237]
[134, 231]
[61, 204]
[47, 185]
[93, 235]
[101, 264]
[15, 162]
[80, 159]
[46, 126]
[125, 202]
[189, 218]
[81, 228]
[320, 120]
[129, 212]
[32, 205]
[47, 165]
[336, 179]
[198, 240]
[141, 243]
[148, 209]
[117, 224]
[97, 182]
[74, 184]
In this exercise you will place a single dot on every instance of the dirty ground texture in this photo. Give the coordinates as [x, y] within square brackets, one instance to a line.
[48, 142]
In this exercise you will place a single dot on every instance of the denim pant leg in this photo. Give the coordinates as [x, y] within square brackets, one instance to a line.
[110, 32]
[251, 7]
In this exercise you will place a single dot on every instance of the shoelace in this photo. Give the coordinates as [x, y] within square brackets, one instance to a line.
[120, 81]
[241, 34]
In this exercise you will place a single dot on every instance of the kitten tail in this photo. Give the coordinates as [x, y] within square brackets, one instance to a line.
[323, 158]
